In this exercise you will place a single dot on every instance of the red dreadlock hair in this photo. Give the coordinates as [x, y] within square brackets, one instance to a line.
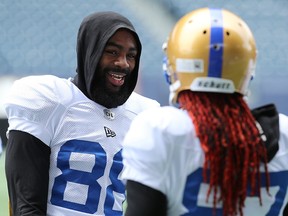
[233, 148]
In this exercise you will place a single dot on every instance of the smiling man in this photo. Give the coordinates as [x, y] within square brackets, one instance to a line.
[65, 135]
[115, 72]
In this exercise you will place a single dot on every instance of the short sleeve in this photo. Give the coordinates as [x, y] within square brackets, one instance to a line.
[148, 146]
[33, 107]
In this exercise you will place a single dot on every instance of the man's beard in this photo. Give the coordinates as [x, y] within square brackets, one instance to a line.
[105, 97]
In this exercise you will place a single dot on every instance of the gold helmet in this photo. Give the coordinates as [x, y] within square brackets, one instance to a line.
[211, 50]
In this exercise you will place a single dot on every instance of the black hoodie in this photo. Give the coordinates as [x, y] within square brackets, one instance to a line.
[94, 32]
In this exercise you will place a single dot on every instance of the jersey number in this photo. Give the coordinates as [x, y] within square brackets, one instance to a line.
[278, 190]
[86, 179]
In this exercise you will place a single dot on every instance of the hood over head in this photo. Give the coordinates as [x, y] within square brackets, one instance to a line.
[94, 32]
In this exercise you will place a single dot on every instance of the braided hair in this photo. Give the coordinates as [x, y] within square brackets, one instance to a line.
[232, 146]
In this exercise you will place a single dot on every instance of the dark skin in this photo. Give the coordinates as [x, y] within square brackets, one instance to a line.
[115, 66]
[28, 158]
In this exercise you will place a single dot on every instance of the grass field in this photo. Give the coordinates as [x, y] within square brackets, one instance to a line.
[3, 188]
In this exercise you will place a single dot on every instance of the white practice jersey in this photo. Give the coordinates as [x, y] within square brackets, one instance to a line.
[161, 150]
[85, 140]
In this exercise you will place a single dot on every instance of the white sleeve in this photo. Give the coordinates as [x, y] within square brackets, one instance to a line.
[153, 136]
[283, 139]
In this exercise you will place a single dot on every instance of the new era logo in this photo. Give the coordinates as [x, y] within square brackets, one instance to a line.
[109, 132]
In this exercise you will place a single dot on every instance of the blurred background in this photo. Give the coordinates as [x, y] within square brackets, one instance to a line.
[39, 37]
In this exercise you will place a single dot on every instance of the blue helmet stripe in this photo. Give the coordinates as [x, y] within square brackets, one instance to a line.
[216, 41]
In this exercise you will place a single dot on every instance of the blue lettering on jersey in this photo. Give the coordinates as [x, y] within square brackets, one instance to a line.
[87, 179]
[116, 186]
[195, 179]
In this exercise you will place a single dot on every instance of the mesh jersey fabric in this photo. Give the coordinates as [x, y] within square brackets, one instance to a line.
[85, 141]
[167, 156]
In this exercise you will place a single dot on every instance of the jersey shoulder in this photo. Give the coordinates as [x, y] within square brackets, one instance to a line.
[159, 127]
[137, 103]
[44, 87]
[34, 102]
[283, 139]
[36, 92]
[168, 119]
[157, 146]
[283, 122]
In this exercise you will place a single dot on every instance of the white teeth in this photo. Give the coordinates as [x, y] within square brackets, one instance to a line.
[117, 77]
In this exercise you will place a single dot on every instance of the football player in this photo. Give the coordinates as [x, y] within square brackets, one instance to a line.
[65, 135]
[209, 154]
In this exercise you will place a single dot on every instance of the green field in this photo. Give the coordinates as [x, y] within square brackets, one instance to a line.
[3, 188]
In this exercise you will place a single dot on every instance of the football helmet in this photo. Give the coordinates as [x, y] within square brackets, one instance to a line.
[209, 50]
